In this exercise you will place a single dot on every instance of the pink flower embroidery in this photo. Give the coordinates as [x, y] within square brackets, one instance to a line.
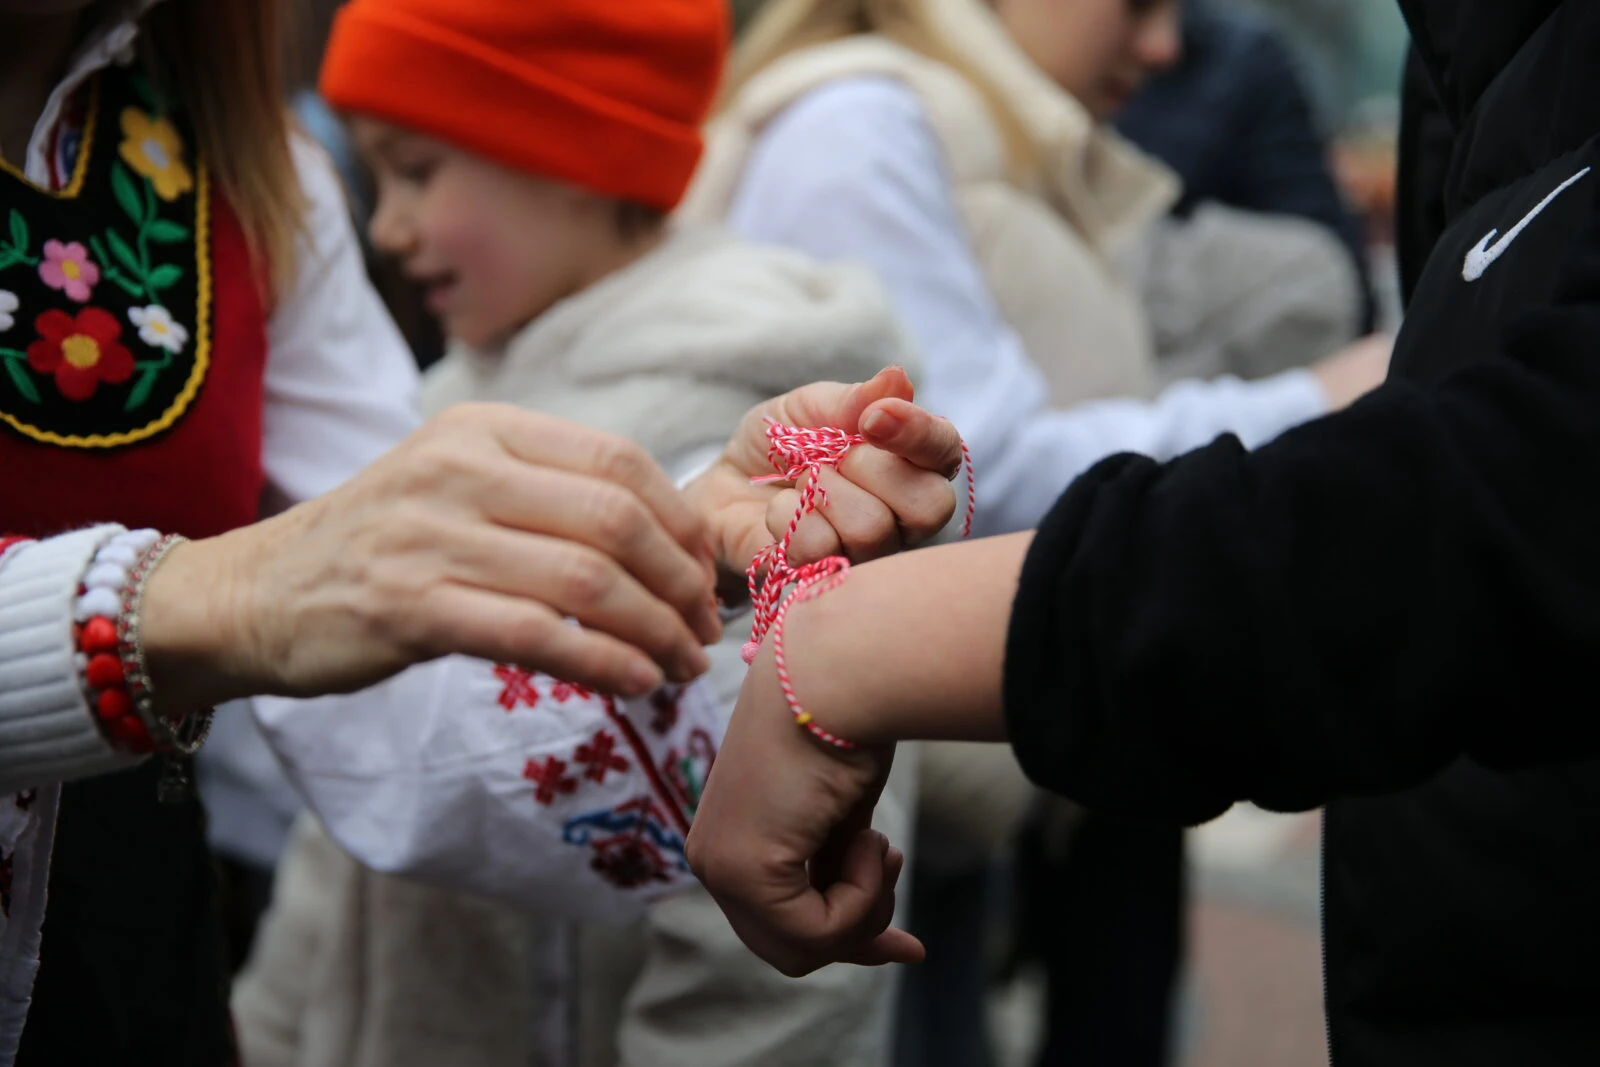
[67, 267]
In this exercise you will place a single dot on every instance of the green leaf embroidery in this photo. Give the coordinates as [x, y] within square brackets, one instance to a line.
[20, 378]
[127, 191]
[141, 389]
[19, 232]
[147, 95]
[166, 231]
[124, 252]
[8, 258]
[165, 276]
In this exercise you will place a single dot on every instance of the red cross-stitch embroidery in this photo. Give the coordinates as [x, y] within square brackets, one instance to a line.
[519, 687]
[564, 691]
[665, 701]
[550, 777]
[600, 757]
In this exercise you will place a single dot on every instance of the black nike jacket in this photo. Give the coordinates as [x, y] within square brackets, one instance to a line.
[1393, 611]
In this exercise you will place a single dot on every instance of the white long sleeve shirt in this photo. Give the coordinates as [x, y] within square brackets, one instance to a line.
[852, 171]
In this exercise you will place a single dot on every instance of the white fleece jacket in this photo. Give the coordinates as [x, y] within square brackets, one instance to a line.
[360, 968]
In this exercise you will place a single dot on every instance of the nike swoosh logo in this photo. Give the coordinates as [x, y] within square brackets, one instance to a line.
[1479, 258]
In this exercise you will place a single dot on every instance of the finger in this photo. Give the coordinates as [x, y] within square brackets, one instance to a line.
[840, 406]
[862, 901]
[546, 441]
[914, 434]
[922, 501]
[473, 622]
[575, 580]
[831, 863]
[851, 522]
[894, 865]
[891, 946]
[610, 518]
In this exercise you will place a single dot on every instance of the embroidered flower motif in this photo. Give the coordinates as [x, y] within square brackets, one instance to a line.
[153, 147]
[550, 779]
[67, 267]
[518, 688]
[157, 329]
[563, 691]
[8, 309]
[81, 352]
[599, 757]
[630, 862]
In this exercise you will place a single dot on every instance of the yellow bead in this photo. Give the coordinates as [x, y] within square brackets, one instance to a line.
[803, 719]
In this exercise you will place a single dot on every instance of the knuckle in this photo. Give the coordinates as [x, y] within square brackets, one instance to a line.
[529, 636]
[928, 512]
[618, 518]
[621, 460]
[587, 577]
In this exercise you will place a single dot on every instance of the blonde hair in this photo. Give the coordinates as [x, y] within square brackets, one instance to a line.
[783, 27]
[225, 60]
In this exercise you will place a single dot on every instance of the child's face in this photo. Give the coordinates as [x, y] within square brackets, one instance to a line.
[1100, 51]
[492, 248]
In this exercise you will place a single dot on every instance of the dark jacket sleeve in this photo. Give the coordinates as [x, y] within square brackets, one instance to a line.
[1344, 611]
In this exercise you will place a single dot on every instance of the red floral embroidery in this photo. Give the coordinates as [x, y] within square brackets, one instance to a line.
[81, 351]
[665, 700]
[519, 688]
[600, 757]
[564, 691]
[630, 861]
[550, 777]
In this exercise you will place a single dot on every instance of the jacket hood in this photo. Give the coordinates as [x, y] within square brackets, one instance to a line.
[1517, 81]
[1465, 44]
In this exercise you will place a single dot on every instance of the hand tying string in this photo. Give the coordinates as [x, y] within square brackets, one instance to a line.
[799, 455]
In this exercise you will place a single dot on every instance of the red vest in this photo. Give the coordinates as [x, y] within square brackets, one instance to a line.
[131, 372]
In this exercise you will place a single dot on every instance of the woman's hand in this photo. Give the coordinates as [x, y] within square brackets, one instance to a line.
[892, 493]
[480, 534]
[783, 840]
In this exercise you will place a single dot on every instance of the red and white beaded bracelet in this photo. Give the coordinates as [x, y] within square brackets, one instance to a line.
[111, 656]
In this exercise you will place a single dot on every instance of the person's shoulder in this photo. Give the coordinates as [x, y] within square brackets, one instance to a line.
[873, 113]
[857, 134]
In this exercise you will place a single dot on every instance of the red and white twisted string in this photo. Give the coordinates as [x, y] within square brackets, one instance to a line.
[800, 455]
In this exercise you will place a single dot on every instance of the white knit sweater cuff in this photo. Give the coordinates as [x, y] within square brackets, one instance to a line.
[47, 730]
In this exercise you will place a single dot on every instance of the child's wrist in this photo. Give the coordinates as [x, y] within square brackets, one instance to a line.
[832, 677]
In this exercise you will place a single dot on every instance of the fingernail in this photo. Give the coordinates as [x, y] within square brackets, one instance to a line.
[642, 677]
[881, 424]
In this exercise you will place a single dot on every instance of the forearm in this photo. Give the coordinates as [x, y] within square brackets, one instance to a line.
[911, 647]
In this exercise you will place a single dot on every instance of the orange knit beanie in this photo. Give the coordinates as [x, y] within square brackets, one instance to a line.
[609, 95]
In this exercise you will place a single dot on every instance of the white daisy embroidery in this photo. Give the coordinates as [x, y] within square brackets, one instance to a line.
[157, 329]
